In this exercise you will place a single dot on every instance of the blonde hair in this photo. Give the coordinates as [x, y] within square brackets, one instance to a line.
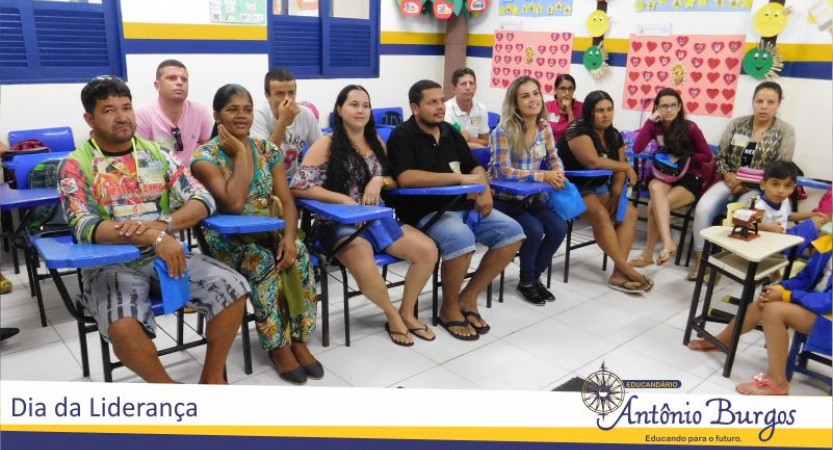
[513, 124]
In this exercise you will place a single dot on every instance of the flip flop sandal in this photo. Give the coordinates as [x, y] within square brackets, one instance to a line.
[392, 333]
[640, 262]
[622, 286]
[761, 385]
[423, 329]
[5, 285]
[458, 324]
[692, 276]
[702, 345]
[665, 256]
[647, 282]
[480, 330]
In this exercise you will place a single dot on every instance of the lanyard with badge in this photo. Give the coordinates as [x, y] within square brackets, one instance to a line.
[144, 179]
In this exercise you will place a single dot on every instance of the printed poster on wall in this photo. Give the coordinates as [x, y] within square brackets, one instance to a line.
[536, 8]
[238, 11]
[693, 5]
[532, 53]
[704, 69]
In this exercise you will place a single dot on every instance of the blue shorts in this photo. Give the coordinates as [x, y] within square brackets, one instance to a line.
[455, 238]
[599, 191]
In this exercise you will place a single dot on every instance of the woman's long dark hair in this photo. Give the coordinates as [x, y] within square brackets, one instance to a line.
[612, 136]
[676, 136]
[223, 96]
[346, 166]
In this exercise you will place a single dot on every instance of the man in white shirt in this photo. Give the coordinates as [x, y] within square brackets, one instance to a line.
[288, 125]
[470, 117]
[176, 123]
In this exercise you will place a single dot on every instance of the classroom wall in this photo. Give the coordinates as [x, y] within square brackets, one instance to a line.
[807, 102]
[411, 50]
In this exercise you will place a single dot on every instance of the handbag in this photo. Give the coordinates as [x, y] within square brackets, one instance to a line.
[669, 171]
[566, 202]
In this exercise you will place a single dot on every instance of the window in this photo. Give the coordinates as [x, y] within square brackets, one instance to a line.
[325, 38]
[59, 41]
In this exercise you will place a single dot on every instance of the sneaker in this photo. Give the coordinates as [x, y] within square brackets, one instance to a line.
[544, 292]
[530, 294]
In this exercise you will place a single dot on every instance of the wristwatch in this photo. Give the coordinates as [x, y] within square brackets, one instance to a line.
[169, 221]
[386, 182]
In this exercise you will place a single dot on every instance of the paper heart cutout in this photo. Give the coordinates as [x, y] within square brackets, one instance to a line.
[664, 60]
[732, 62]
[553, 48]
[651, 46]
[649, 60]
[510, 49]
[728, 93]
[496, 70]
[539, 74]
[696, 62]
[712, 93]
[713, 63]
[646, 88]
[548, 88]
[496, 59]
[712, 76]
[699, 47]
[516, 72]
[505, 82]
[726, 108]
[566, 36]
[510, 37]
[564, 48]
[554, 37]
[563, 62]
[550, 75]
[507, 59]
[693, 92]
[681, 54]
[540, 61]
[729, 78]
[542, 48]
[696, 76]
[662, 75]
[691, 106]
[635, 60]
[666, 46]
[658, 88]
[506, 70]
[633, 75]
[495, 81]
[735, 45]
[632, 89]
[527, 72]
[518, 59]
[711, 107]
[647, 75]
[682, 40]
[636, 46]
[551, 62]
[631, 103]
[499, 36]
[717, 46]
[519, 47]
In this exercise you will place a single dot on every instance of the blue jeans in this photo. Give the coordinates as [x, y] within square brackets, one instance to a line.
[455, 238]
[545, 231]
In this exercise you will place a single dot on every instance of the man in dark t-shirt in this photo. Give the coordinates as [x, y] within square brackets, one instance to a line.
[425, 151]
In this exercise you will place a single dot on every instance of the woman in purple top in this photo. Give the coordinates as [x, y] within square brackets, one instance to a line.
[679, 138]
[564, 108]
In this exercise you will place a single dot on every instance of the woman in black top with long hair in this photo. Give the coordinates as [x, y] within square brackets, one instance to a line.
[350, 167]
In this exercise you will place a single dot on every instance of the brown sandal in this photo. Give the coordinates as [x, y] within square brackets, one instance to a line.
[640, 262]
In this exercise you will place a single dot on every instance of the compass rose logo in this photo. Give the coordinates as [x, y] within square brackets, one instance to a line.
[603, 392]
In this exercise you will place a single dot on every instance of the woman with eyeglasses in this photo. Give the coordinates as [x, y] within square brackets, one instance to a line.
[564, 108]
[680, 139]
[244, 174]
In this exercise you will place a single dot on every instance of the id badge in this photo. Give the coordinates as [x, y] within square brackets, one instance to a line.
[152, 176]
[476, 122]
[455, 167]
[740, 140]
[138, 209]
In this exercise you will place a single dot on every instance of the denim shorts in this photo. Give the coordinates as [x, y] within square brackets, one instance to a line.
[331, 233]
[600, 190]
[455, 238]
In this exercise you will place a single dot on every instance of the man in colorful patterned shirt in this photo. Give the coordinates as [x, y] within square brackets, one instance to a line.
[117, 188]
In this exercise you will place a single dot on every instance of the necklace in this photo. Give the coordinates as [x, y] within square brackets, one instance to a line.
[120, 167]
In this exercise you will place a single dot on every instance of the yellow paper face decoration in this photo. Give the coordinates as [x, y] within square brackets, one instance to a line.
[597, 23]
[770, 20]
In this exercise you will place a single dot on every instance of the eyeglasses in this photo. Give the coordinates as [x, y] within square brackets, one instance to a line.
[669, 107]
[565, 89]
[178, 138]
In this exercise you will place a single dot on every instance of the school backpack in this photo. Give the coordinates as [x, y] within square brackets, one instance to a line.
[46, 218]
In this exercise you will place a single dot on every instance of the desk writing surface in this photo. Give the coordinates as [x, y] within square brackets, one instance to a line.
[519, 187]
[241, 224]
[61, 253]
[813, 184]
[440, 190]
[27, 198]
[346, 214]
[756, 250]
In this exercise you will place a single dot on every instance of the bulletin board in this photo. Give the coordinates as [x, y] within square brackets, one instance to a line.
[536, 54]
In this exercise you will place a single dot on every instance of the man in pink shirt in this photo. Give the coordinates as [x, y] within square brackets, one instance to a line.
[176, 123]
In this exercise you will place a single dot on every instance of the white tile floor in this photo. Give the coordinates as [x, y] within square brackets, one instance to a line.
[528, 348]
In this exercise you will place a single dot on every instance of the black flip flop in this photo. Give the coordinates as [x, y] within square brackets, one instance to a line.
[479, 330]
[424, 328]
[398, 333]
[460, 324]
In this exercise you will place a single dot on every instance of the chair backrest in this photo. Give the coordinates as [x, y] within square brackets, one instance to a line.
[730, 209]
[494, 120]
[23, 164]
[388, 116]
[384, 132]
[482, 155]
[311, 107]
[57, 139]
